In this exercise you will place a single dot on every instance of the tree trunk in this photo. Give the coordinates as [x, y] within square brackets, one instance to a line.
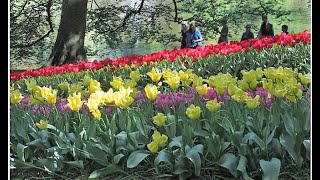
[69, 45]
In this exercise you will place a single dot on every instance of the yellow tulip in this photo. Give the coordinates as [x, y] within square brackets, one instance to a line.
[117, 82]
[86, 80]
[243, 85]
[305, 79]
[15, 97]
[96, 114]
[42, 125]
[92, 104]
[64, 86]
[122, 98]
[135, 75]
[213, 105]
[203, 89]
[159, 119]
[74, 102]
[193, 112]
[94, 86]
[173, 82]
[52, 97]
[253, 103]
[153, 147]
[159, 139]
[109, 96]
[151, 91]
[155, 75]
[31, 85]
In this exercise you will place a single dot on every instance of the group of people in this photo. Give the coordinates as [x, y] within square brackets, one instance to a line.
[191, 37]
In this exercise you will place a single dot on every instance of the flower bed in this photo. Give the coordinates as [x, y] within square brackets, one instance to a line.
[164, 121]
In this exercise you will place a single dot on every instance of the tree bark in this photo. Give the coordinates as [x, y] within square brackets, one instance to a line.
[69, 45]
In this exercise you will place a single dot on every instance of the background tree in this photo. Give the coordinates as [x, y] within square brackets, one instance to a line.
[119, 23]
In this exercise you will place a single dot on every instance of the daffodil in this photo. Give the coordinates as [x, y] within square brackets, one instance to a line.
[193, 112]
[74, 102]
[151, 91]
[159, 119]
[213, 105]
[42, 124]
[15, 97]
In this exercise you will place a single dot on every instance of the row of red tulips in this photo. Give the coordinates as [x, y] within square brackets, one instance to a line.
[172, 55]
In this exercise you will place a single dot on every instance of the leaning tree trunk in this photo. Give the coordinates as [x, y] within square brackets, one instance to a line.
[69, 45]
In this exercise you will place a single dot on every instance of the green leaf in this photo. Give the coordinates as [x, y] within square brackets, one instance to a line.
[229, 161]
[139, 125]
[176, 142]
[78, 164]
[214, 146]
[194, 157]
[117, 158]
[136, 157]
[252, 136]
[163, 156]
[306, 144]
[20, 151]
[271, 169]
[49, 164]
[91, 132]
[289, 144]
[110, 169]
[242, 167]
[36, 143]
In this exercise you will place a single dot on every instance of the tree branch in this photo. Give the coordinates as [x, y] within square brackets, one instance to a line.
[264, 8]
[128, 15]
[96, 3]
[24, 5]
[176, 11]
[48, 10]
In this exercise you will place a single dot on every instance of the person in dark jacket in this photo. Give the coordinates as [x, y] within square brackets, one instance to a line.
[184, 32]
[247, 34]
[284, 29]
[266, 28]
[224, 31]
